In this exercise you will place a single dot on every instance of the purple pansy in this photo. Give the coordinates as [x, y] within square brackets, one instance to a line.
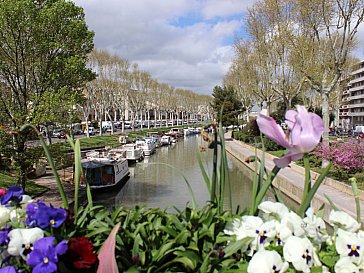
[14, 193]
[44, 257]
[4, 236]
[44, 216]
[8, 269]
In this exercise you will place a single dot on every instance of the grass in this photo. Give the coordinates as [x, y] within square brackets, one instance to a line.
[32, 189]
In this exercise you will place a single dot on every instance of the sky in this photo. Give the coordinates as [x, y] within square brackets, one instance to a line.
[185, 43]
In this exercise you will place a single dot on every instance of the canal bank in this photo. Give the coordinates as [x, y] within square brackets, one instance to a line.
[290, 180]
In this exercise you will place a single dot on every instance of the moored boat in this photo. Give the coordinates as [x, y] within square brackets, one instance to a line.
[133, 152]
[104, 170]
[147, 146]
[166, 140]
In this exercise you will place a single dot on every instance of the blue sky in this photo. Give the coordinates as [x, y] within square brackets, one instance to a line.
[185, 43]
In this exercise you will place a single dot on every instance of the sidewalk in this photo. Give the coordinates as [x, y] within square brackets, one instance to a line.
[291, 181]
[52, 196]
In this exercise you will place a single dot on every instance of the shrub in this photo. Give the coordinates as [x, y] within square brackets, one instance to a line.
[347, 156]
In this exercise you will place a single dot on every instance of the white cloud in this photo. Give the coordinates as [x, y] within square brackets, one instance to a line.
[193, 54]
[221, 8]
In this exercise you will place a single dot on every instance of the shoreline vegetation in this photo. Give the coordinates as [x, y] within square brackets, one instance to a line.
[59, 151]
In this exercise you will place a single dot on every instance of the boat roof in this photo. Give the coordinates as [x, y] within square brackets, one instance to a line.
[92, 164]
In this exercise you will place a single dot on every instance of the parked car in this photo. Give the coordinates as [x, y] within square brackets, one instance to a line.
[57, 133]
[91, 131]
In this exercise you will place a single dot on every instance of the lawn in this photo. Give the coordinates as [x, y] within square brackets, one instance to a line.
[32, 189]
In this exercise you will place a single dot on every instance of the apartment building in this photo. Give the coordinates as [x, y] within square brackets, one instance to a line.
[351, 112]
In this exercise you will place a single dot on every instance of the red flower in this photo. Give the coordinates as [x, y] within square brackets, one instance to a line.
[2, 192]
[80, 253]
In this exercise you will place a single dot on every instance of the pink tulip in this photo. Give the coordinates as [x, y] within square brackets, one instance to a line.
[305, 130]
[107, 261]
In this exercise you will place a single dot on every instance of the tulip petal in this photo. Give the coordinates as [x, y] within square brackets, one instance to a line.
[290, 118]
[287, 158]
[107, 261]
[269, 127]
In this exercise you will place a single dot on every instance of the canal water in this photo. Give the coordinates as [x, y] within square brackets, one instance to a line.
[154, 184]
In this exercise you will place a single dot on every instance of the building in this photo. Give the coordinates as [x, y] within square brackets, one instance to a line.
[351, 112]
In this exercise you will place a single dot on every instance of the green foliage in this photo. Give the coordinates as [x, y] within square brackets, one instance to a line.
[249, 133]
[153, 240]
[40, 86]
[225, 99]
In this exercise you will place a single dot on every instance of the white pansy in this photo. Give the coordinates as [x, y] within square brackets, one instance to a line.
[345, 265]
[4, 216]
[26, 199]
[315, 227]
[273, 210]
[300, 252]
[350, 245]
[267, 262]
[344, 221]
[264, 234]
[292, 224]
[252, 227]
[22, 240]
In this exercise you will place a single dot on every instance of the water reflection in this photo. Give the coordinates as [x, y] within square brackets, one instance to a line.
[153, 184]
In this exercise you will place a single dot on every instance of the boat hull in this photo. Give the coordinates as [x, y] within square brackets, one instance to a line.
[104, 174]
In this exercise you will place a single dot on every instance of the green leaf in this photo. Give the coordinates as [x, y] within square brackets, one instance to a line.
[188, 258]
[238, 245]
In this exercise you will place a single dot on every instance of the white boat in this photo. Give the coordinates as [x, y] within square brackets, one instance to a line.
[147, 146]
[166, 140]
[103, 170]
[133, 152]
[155, 140]
[176, 132]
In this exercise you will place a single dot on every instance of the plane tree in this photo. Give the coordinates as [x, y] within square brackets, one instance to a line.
[325, 35]
[43, 50]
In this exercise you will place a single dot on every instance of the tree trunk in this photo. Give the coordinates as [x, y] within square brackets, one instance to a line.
[326, 119]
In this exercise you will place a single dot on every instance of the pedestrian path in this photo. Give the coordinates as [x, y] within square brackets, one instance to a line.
[292, 181]
[53, 196]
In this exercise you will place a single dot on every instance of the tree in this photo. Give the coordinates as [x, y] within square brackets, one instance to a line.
[225, 99]
[325, 36]
[43, 49]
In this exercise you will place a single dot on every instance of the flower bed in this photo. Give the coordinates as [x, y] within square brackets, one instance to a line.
[38, 238]
[267, 237]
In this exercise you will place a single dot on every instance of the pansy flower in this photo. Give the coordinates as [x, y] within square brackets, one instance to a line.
[80, 253]
[14, 193]
[315, 227]
[8, 269]
[22, 240]
[44, 216]
[4, 215]
[273, 210]
[44, 257]
[267, 262]
[253, 227]
[300, 252]
[4, 236]
[350, 245]
[345, 265]
[344, 221]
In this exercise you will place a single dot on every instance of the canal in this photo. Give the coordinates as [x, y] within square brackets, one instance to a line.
[154, 184]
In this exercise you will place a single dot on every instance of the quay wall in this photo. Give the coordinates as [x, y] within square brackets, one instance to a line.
[289, 185]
